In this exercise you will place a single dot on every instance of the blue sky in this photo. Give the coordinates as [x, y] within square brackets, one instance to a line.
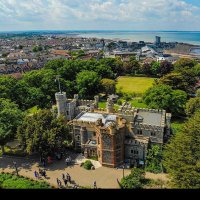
[99, 15]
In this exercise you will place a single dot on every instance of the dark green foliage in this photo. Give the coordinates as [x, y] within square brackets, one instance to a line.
[8, 181]
[164, 97]
[87, 165]
[37, 49]
[184, 62]
[165, 68]
[7, 87]
[184, 79]
[10, 118]
[131, 67]
[153, 160]
[135, 180]
[155, 68]
[192, 106]
[146, 69]
[42, 133]
[108, 86]
[181, 157]
[88, 84]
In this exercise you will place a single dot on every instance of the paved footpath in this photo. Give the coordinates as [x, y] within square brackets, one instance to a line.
[104, 177]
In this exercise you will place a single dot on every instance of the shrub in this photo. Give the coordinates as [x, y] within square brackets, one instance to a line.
[135, 180]
[88, 165]
[119, 102]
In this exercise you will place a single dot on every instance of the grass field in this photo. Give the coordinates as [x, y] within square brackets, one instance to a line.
[137, 85]
[136, 102]
[177, 124]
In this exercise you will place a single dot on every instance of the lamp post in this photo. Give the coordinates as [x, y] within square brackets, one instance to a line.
[58, 81]
[123, 167]
[15, 165]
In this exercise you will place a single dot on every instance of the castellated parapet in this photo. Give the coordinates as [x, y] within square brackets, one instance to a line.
[117, 135]
[61, 103]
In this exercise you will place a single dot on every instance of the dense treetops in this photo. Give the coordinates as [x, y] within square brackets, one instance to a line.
[10, 119]
[164, 97]
[182, 155]
[43, 133]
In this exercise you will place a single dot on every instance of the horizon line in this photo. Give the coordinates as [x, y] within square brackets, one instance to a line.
[76, 30]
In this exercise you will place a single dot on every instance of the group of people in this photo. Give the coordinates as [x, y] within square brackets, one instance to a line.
[66, 179]
[40, 173]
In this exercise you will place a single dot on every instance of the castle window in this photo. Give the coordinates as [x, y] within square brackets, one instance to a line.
[136, 152]
[153, 134]
[67, 112]
[139, 132]
[132, 151]
[78, 137]
[94, 134]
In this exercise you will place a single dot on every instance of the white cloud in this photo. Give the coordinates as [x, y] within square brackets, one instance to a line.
[72, 14]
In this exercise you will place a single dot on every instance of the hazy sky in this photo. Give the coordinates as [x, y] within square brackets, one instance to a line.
[99, 15]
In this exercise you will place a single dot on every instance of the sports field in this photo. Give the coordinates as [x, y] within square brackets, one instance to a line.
[137, 85]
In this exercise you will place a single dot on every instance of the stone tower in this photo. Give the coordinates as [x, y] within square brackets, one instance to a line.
[110, 106]
[96, 101]
[61, 102]
[168, 123]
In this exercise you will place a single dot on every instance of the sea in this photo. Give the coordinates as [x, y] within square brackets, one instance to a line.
[147, 36]
[191, 37]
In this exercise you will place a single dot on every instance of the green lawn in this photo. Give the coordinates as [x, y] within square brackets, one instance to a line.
[137, 85]
[136, 102]
[102, 104]
[33, 110]
[177, 124]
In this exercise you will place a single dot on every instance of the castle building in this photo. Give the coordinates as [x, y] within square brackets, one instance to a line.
[114, 137]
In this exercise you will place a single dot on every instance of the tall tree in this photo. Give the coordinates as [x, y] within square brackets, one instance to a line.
[185, 62]
[108, 86]
[135, 180]
[43, 133]
[153, 160]
[164, 97]
[10, 119]
[165, 68]
[192, 106]
[181, 156]
[88, 84]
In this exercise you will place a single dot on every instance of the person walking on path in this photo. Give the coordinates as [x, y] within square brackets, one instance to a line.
[59, 183]
[95, 185]
[65, 182]
[44, 174]
[36, 174]
[69, 178]
[63, 176]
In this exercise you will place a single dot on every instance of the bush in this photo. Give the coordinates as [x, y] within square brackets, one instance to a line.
[88, 165]
[119, 102]
[135, 180]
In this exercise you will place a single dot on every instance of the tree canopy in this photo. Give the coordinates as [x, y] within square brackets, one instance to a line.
[164, 97]
[135, 180]
[10, 118]
[192, 106]
[43, 133]
[88, 84]
[181, 156]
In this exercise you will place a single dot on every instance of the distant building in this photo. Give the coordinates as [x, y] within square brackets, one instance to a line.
[158, 40]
